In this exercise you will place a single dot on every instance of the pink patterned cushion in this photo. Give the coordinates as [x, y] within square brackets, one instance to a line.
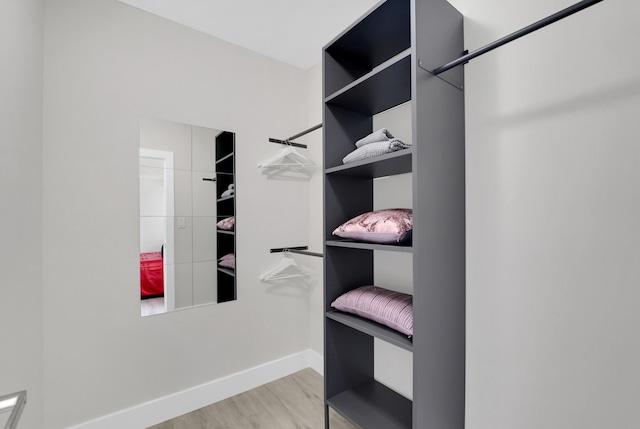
[228, 261]
[380, 226]
[227, 223]
[390, 308]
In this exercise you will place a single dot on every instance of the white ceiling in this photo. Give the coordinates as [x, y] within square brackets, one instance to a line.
[292, 31]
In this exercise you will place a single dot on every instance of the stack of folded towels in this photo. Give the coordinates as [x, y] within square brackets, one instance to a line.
[375, 144]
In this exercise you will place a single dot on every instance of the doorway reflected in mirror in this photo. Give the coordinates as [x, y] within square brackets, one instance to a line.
[187, 216]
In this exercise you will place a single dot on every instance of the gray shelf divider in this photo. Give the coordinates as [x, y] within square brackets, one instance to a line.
[227, 271]
[384, 165]
[369, 246]
[222, 231]
[372, 328]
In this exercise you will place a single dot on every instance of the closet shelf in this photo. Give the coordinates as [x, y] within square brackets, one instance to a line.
[227, 271]
[372, 404]
[372, 328]
[222, 231]
[384, 165]
[368, 42]
[369, 246]
[384, 87]
[224, 158]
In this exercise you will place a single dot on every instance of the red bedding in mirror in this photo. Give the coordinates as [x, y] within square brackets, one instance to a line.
[151, 275]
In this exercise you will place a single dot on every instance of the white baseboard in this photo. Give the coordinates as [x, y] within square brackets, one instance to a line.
[168, 407]
[316, 361]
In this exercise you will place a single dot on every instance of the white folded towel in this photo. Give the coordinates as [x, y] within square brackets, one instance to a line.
[230, 191]
[375, 149]
[377, 136]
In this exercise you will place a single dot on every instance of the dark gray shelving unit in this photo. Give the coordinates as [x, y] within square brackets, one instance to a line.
[380, 62]
[225, 207]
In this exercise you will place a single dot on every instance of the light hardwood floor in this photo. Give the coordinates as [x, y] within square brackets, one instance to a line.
[292, 402]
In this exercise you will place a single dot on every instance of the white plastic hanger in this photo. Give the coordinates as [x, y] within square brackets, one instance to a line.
[287, 268]
[287, 157]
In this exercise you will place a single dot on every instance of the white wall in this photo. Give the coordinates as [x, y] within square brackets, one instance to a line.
[21, 48]
[315, 239]
[553, 203]
[107, 64]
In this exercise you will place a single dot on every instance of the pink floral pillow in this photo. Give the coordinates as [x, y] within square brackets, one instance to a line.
[228, 261]
[387, 307]
[381, 226]
[227, 223]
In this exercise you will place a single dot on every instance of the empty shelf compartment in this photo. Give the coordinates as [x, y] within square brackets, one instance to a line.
[373, 405]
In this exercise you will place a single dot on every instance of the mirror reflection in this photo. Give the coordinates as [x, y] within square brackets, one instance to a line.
[187, 216]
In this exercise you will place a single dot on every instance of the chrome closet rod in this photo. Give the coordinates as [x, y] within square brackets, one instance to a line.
[517, 34]
[290, 143]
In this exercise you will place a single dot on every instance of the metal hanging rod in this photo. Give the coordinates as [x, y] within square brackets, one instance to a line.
[290, 143]
[315, 127]
[302, 250]
[516, 35]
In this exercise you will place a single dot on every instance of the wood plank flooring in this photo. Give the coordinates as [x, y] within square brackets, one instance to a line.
[292, 402]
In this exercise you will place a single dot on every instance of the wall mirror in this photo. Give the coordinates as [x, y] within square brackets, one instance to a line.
[187, 216]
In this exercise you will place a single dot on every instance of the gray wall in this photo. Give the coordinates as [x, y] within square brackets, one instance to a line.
[107, 64]
[553, 204]
[21, 48]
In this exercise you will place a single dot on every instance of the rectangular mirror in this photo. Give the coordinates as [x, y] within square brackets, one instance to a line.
[187, 216]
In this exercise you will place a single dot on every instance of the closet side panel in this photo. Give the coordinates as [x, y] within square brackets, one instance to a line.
[439, 255]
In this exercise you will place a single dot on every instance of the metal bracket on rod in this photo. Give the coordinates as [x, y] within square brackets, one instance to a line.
[517, 34]
[302, 250]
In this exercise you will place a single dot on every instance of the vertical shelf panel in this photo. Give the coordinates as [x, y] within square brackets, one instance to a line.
[439, 250]
[439, 38]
